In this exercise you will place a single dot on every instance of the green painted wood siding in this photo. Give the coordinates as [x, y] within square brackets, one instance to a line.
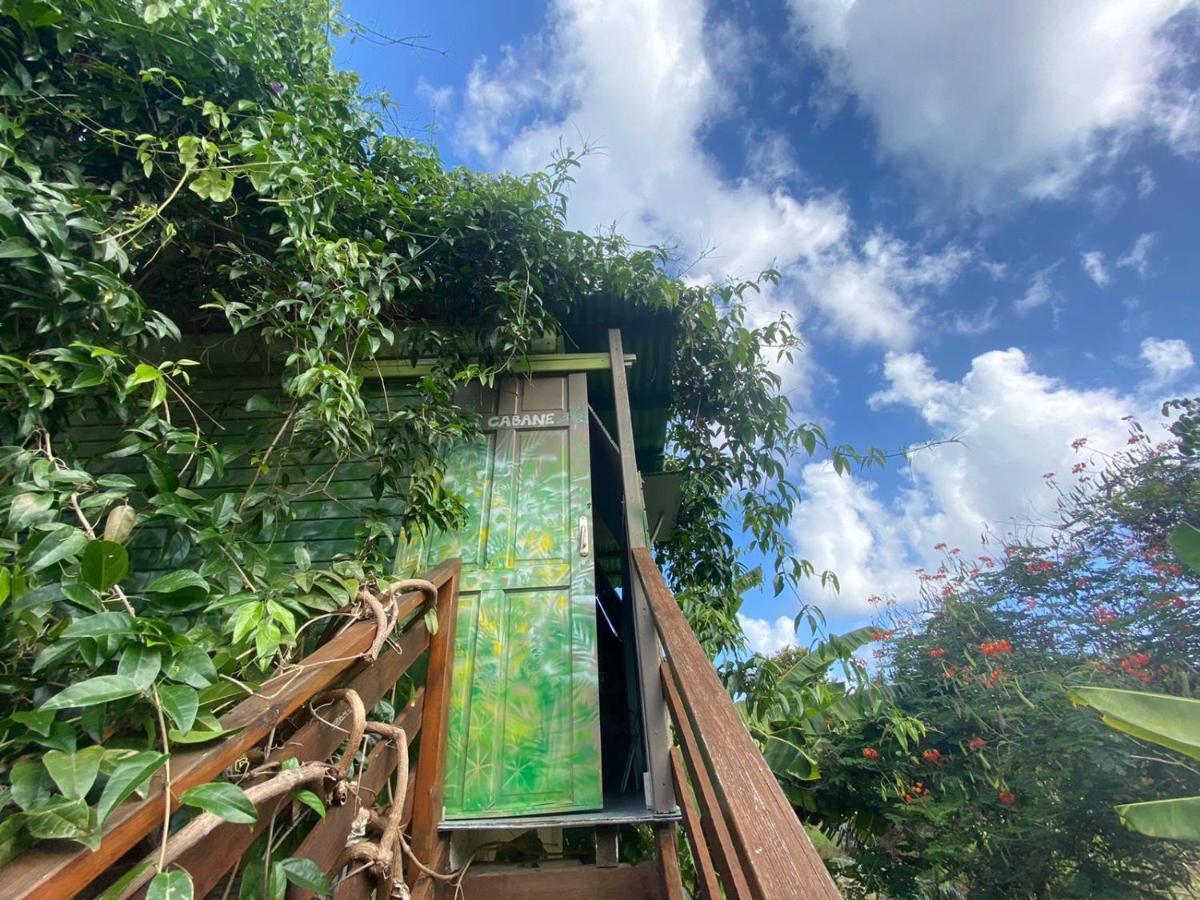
[524, 719]
[335, 498]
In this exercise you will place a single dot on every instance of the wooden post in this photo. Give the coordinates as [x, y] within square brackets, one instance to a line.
[706, 874]
[608, 847]
[431, 763]
[654, 707]
[668, 862]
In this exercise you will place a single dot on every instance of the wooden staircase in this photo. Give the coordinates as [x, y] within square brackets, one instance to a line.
[744, 839]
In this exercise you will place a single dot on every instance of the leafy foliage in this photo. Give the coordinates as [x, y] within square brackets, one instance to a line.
[173, 175]
[1012, 790]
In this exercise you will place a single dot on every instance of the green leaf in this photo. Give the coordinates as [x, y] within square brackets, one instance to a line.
[1173, 722]
[212, 184]
[127, 777]
[175, 884]
[99, 626]
[311, 800]
[1177, 819]
[104, 564]
[13, 838]
[304, 873]
[140, 664]
[191, 665]
[74, 773]
[1185, 541]
[179, 588]
[142, 374]
[60, 544]
[16, 248]
[151, 14]
[118, 888]
[59, 819]
[101, 689]
[28, 508]
[30, 783]
[181, 703]
[222, 799]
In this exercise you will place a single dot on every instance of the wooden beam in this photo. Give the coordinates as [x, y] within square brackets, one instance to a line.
[640, 882]
[777, 857]
[54, 871]
[654, 707]
[706, 874]
[666, 838]
[608, 846]
[537, 365]
[428, 802]
[712, 822]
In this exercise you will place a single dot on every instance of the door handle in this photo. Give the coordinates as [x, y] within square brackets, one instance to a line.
[585, 544]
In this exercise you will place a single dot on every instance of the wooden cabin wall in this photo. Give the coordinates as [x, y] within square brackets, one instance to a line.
[334, 498]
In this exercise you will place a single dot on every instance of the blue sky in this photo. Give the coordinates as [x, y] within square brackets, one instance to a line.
[985, 214]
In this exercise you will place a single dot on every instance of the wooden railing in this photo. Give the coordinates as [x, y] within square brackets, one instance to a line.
[340, 678]
[745, 838]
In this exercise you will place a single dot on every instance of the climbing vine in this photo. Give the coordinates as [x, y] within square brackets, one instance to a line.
[174, 172]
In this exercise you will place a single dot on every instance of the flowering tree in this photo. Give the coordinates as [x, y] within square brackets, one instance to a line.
[1011, 791]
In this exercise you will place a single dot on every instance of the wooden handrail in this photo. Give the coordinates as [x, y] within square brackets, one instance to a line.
[58, 870]
[772, 850]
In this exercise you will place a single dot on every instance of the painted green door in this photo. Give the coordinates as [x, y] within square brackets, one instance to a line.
[524, 719]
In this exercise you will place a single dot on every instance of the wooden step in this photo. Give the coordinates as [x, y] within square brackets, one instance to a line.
[567, 881]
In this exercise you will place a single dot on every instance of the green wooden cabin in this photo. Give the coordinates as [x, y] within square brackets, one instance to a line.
[551, 716]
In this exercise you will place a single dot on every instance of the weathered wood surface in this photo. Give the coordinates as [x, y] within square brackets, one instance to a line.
[669, 873]
[640, 882]
[427, 845]
[714, 828]
[707, 887]
[776, 855]
[59, 869]
[654, 709]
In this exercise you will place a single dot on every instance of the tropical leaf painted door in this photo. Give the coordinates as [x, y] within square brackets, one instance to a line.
[524, 718]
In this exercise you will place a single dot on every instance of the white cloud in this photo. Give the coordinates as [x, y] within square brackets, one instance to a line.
[1039, 293]
[633, 77]
[768, 638]
[990, 98]
[1138, 257]
[1008, 425]
[1093, 263]
[1167, 359]
[1146, 183]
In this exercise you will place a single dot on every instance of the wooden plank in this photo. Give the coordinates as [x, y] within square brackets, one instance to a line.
[327, 840]
[706, 874]
[47, 871]
[671, 876]
[654, 707]
[640, 882]
[777, 856]
[223, 848]
[608, 847]
[716, 830]
[542, 363]
[428, 802]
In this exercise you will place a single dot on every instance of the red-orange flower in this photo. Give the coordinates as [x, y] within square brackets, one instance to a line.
[976, 743]
[995, 648]
[1008, 799]
[937, 652]
[870, 753]
[931, 756]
